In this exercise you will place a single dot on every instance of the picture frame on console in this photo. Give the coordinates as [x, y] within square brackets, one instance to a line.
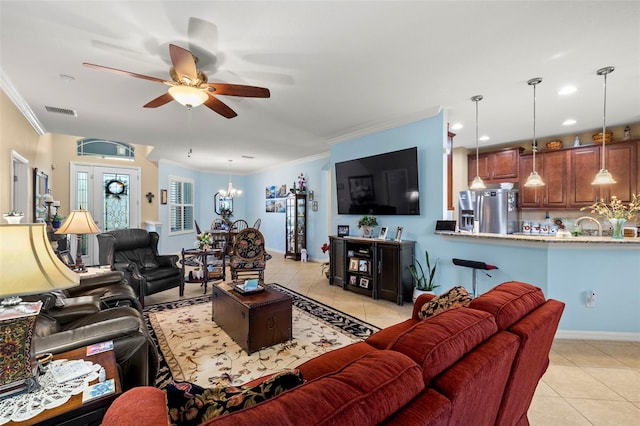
[399, 230]
[364, 282]
[383, 233]
[66, 258]
[343, 230]
[353, 264]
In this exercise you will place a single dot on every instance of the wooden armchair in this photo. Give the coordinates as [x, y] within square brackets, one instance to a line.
[248, 257]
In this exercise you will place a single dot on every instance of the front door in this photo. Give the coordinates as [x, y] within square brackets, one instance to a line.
[111, 194]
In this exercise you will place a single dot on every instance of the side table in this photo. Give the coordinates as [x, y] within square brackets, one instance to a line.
[219, 267]
[74, 412]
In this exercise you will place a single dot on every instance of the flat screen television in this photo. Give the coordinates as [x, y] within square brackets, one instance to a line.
[383, 184]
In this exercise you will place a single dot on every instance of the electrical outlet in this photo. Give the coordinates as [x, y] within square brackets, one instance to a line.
[591, 299]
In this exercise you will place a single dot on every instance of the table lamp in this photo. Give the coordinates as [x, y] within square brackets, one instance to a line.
[28, 265]
[79, 222]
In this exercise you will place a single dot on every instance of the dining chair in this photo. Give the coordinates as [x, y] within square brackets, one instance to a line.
[239, 225]
[217, 223]
[256, 225]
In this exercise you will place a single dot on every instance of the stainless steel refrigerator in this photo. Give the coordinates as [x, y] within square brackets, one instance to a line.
[497, 210]
[466, 210]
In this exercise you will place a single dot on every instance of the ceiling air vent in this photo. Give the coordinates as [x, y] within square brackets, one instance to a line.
[64, 111]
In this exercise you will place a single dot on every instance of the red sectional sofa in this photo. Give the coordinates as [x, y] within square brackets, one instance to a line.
[478, 365]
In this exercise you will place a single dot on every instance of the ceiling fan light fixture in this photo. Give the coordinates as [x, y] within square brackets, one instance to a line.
[188, 96]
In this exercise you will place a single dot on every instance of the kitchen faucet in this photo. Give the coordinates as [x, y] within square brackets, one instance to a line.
[578, 220]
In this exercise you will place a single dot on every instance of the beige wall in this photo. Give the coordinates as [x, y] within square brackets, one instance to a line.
[52, 154]
[17, 134]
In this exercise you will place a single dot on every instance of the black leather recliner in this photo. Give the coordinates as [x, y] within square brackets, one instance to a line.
[135, 252]
[62, 329]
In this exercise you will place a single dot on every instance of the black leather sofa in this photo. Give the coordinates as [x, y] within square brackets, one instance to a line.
[135, 252]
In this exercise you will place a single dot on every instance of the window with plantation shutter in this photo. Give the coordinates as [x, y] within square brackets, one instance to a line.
[180, 205]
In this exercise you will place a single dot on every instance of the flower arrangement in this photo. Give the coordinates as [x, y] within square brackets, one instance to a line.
[325, 247]
[615, 209]
[302, 185]
[203, 241]
[367, 221]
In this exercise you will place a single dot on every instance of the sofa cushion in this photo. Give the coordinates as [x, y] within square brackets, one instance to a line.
[143, 405]
[381, 339]
[386, 380]
[456, 297]
[334, 360]
[508, 302]
[190, 404]
[439, 341]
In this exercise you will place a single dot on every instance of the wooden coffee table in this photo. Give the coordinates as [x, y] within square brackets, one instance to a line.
[254, 321]
[74, 412]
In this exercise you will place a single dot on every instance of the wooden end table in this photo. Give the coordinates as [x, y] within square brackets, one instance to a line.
[255, 320]
[74, 412]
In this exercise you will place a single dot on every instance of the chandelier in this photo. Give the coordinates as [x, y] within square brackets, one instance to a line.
[230, 192]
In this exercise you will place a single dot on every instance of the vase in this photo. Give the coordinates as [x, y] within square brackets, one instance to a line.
[617, 225]
[417, 293]
[367, 231]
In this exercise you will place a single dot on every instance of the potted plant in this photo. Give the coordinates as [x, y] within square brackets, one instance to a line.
[424, 282]
[56, 221]
[367, 223]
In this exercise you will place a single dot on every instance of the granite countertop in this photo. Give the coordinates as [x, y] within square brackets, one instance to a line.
[542, 238]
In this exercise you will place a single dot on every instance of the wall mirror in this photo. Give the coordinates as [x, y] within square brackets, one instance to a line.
[221, 202]
[40, 187]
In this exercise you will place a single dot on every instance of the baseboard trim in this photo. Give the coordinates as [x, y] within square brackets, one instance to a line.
[598, 335]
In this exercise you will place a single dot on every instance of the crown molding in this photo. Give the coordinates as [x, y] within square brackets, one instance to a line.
[20, 103]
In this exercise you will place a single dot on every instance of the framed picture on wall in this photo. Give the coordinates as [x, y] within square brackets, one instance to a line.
[163, 196]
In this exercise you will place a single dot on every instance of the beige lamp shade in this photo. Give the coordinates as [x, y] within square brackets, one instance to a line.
[28, 264]
[78, 222]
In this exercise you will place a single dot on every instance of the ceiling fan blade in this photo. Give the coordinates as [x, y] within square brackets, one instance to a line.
[220, 107]
[238, 90]
[183, 63]
[159, 101]
[128, 73]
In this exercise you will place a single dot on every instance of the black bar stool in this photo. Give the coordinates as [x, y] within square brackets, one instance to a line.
[475, 265]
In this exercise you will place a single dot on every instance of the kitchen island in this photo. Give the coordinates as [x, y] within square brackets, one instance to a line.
[566, 269]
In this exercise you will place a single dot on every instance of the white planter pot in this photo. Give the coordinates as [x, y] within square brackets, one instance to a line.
[367, 231]
[417, 293]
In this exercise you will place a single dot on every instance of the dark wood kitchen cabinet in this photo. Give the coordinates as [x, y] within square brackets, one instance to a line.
[568, 174]
[552, 166]
[495, 166]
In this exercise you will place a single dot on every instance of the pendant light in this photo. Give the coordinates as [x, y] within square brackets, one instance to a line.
[534, 178]
[230, 192]
[604, 177]
[477, 181]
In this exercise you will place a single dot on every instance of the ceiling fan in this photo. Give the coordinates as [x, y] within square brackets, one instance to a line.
[189, 85]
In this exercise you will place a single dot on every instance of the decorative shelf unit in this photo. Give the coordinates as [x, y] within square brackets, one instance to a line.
[295, 225]
[375, 268]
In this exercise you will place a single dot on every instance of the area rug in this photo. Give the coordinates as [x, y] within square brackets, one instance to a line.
[194, 348]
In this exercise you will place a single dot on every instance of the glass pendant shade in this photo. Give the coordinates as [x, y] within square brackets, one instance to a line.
[604, 177]
[477, 183]
[188, 96]
[534, 178]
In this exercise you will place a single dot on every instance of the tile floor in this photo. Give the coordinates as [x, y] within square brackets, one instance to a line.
[587, 382]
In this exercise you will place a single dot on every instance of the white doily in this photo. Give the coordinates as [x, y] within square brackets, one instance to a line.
[51, 394]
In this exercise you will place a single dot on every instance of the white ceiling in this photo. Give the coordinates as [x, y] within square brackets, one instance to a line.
[336, 69]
